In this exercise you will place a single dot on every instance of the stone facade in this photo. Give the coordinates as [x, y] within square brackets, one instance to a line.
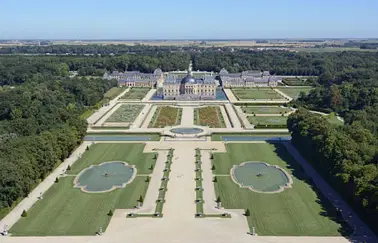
[189, 88]
[136, 78]
[248, 79]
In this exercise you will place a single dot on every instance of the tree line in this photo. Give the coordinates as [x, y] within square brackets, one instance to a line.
[346, 156]
[332, 67]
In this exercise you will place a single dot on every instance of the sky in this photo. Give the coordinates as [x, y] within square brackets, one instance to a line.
[191, 19]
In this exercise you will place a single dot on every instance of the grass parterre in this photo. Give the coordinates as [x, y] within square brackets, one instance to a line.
[65, 210]
[136, 93]
[294, 92]
[296, 211]
[256, 94]
[265, 109]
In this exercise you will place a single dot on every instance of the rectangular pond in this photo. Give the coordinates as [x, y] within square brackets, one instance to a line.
[255, 138]
[117, 138]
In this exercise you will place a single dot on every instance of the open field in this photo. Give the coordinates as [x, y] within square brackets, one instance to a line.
[294, 92]
[267, 120]
[135, 93]
[125, 113]
[265, 109]
[256, 94]
[65, 210]
[209, 116]
[296, 211]
[166, 116]
[332, 49]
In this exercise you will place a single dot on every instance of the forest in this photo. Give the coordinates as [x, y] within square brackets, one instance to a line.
[40, 123]
[40, 108]
[347, 156]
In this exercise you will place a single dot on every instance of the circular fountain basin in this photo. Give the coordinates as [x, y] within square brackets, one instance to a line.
[105, 177]
[187, 130]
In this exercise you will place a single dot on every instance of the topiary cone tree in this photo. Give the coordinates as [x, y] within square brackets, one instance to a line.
[24, 214]
[110, 213]
[247, 213]
[218, 201]
[213, 167]
[140, 199]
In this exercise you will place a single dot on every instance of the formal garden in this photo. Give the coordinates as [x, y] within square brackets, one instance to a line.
[268, 121]
[265, 109]
[209, 116]
[294, 92]
[166, 116]
[66, 210]
[256, 94]
[297, 210]
[136, 93]
[126, 113]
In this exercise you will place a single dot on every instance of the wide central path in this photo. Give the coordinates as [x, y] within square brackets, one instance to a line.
[180, 196]
[187, 116]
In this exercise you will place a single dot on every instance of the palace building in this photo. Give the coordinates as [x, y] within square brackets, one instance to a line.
[248, 79]
[136, 78]
[189, 87]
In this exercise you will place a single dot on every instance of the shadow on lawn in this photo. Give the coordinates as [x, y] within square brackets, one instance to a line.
[328, 210]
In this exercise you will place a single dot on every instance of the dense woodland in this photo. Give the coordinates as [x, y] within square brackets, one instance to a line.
[346, 155]
[40, 122]
[40, 108]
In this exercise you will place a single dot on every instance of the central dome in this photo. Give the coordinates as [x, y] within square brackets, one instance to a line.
[188, 79]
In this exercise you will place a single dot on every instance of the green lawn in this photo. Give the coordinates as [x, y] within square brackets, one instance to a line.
[125, 113]
[136, 93]
[294, 92]
[114, 92]
[267, 120]
[265, 109]
[297, 211]
[256, 94]
[65, 210]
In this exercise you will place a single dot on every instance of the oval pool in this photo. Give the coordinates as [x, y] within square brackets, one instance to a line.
[187, 130]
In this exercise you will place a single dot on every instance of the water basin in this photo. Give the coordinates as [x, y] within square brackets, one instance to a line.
[187, 130]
